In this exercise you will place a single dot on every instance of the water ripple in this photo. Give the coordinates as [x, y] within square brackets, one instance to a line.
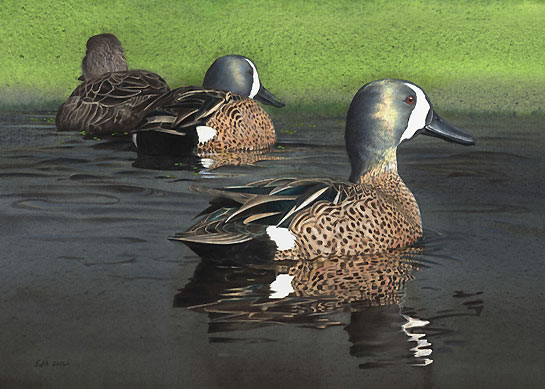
[56, 201]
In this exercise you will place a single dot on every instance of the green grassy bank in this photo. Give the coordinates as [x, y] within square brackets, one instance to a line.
[470, 56]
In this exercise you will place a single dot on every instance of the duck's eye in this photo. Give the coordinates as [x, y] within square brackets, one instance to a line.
[410, 100]
[250, 72]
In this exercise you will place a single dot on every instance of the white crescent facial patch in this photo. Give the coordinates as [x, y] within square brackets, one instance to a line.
[255, 84]
[417, 120]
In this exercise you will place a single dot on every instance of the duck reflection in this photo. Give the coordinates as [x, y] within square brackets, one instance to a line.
[318, 294]
[206, 160]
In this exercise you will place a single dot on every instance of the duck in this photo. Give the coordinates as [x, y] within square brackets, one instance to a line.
[221, 116]
[307, 218]
[111, 98]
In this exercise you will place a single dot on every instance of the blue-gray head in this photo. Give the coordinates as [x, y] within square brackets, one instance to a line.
[385, 113]
[238, 74]
[104, 54]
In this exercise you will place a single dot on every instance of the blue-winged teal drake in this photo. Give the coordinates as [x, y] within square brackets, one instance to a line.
[220, 116]
[111, 98]
[310, 218]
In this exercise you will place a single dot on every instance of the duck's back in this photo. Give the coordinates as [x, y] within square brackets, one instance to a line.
[114, 102]
[324, 218]
[229, 122]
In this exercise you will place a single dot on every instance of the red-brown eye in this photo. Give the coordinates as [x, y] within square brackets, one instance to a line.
[250, 72]
[410, 100]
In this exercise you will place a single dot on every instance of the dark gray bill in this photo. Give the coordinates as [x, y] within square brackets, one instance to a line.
[442, 129]
[267, 97]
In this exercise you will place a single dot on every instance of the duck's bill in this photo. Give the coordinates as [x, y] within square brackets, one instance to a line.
[267, 97]
[442, 129]
[81, 78]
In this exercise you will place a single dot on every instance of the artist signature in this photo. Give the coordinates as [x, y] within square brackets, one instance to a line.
[44, 363]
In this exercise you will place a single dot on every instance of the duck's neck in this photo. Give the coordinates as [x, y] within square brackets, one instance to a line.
[376, 167]
[381, 174]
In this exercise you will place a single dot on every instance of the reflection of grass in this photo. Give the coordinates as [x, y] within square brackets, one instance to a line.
[478, 56]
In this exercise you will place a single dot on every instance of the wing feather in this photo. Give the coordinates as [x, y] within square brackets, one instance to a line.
[241, 213]
[113, 102]
[183, 108]
[216, 238]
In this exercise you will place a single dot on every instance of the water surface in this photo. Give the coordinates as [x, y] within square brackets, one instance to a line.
[92, 290]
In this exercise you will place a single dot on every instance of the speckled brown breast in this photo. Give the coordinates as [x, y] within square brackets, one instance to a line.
[240, 125]
[374, 218]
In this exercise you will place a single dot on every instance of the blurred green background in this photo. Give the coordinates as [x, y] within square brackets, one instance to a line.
[474, 57]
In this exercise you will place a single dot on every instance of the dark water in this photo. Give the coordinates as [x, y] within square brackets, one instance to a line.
[93, 292]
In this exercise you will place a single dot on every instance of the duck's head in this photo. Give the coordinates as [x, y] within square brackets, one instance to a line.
[104, 54]
[385, 113]
[238, 74]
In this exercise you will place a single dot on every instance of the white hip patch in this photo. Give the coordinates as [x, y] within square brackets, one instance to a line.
[281, 287]
[134, 140]
[205, 133]
[282, 237]
[417, 120]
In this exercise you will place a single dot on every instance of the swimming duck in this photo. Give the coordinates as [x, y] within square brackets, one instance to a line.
[305, 218]
[111, 97]
[220, 116]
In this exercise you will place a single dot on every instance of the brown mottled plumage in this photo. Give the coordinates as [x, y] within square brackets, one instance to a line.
[375, 215]
[221, 116]
[114, 102]
[295, 219]
[111, 99]
[328, 218]
[240, 123]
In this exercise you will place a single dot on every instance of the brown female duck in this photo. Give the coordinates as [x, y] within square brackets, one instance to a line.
[111, 98]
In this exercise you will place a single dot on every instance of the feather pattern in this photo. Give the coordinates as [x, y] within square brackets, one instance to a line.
[326, 217]
[239, 122]
[246, 211]
[185, 107]
[113, 102]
